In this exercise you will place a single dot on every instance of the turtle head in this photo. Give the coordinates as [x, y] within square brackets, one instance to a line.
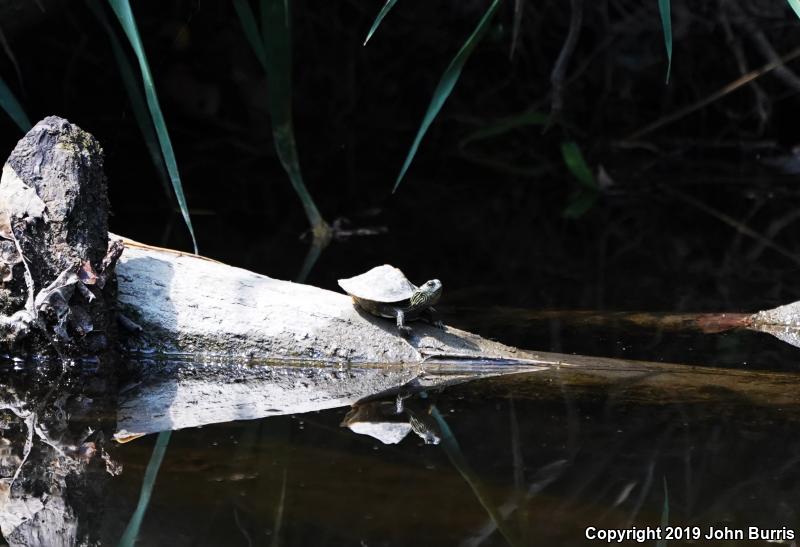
[427, 295]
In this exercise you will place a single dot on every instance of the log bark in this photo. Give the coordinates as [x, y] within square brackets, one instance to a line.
[189, 304]
[254, 346]
[270, 347]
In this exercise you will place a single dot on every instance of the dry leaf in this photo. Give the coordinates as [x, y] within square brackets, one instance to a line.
[86, 274]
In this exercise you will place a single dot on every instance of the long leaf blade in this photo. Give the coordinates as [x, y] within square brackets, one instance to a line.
[666, 25]
[10, 104]
[135, 95]
[502, 126]
[573, 158]
[122, 9]
[446, 85]
[381, 14]
[579, 204]
[518, 4]
[148, 483]
[274, 47]
[795, 4]
[248, 20]
[454, 453]
[586, 196]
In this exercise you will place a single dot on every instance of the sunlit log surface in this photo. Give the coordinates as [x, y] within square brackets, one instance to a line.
[782, 322]
[274, 347]
[269, 346]
[190, 304]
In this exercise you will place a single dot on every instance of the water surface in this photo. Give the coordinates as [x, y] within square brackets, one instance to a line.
[548, 455]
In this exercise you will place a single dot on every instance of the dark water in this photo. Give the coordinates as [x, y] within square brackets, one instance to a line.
[552, 454]
[563, 461]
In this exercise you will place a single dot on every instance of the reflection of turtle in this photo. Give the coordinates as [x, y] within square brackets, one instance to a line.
[386, 292]
[382, 420]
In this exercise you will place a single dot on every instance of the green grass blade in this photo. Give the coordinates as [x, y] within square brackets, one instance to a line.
[666, 24]
[122, 9]
[10, 104]
[573, 158]
[500, 127]
[579, 204]
[277, 39]
[248, 21]
[132, 530]
[273, 48]
[312, 256]
[446, 85]
[278, 524]
[795, 4]
[515, 27]
[135, 96]
[381, 14]
[456, 456]
[586, 196]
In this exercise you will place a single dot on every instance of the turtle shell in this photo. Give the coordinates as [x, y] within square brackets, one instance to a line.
[381, 284]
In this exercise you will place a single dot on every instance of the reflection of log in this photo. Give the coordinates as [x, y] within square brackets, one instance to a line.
[175, 394]
[651, 383]
[178, 394]
[330, 354]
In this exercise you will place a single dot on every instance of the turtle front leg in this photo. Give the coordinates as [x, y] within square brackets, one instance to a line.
[404, 329]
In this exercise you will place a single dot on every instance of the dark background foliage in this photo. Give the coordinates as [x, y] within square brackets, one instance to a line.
[487, 217]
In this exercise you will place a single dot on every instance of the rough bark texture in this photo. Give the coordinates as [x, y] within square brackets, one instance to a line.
[64, 165]
[53, 240]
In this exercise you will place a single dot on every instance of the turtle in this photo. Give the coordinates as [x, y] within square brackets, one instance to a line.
[384, 291]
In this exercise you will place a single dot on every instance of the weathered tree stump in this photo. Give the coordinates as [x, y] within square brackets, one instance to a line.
[57, 280]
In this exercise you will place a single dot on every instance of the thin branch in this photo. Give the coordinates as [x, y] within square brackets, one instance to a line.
[725, 90]
[518, 5]
[730, 221]
[560, 68]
